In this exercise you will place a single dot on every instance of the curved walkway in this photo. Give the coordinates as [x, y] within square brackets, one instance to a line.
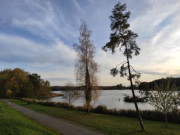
[57, 124]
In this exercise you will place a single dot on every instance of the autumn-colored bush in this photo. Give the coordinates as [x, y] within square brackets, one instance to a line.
[18, 83]
[9, 93]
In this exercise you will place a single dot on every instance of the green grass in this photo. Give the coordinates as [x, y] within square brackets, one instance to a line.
[107, 124]
[13, 122]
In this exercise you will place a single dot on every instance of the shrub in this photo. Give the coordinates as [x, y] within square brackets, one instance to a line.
[100, 109]
[9, 93]
[80, 108]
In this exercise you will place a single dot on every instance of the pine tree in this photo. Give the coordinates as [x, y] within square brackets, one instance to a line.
[124, 39]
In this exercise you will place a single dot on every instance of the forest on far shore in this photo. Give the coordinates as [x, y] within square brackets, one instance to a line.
[150, 85]
[117, 87]
[142, 86]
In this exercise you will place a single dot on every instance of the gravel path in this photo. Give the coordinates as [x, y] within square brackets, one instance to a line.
[57, 124]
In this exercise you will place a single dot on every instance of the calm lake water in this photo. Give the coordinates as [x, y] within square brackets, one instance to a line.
[110, 98]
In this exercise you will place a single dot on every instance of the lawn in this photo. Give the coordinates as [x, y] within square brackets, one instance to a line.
[107, 124]
[13, 122]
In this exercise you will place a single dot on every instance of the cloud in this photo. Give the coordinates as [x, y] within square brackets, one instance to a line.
[151, 72]
[159, 36]
[38, 36]
[78, 7]
[91, 1]
[154, 18]
[17, 49]
[42, 19]
[163, 46]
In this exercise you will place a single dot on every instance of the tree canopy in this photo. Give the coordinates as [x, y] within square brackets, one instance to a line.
[19, 83]
[85, 66]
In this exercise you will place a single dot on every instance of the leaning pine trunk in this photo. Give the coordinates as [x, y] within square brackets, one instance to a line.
[132, 88]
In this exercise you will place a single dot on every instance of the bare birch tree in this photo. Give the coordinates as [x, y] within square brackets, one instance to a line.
[85, 66]
[71, 95]
[165, 98]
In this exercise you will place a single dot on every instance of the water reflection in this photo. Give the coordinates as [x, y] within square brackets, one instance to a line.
[110, 98]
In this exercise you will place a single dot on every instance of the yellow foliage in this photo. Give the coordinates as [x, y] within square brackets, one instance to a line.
[9, 92]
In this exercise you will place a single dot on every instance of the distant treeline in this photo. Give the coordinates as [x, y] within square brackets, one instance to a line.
[117, 87]
[142, 86]
[150, 85]
[56, 88]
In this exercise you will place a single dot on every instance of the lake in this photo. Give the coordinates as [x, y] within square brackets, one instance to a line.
[110, 98]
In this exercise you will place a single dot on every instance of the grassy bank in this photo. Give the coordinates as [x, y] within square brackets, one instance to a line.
[14, 123]
[154, 115]
[107, 124]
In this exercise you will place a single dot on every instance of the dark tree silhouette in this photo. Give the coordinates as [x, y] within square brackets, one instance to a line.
[124, 39]
[85, 65]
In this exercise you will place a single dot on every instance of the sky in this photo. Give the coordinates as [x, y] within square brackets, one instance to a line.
[38, 36]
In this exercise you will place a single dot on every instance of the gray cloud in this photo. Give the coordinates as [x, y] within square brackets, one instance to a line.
[40, 18]
[163, 60]
[17, 49]
[151, 72]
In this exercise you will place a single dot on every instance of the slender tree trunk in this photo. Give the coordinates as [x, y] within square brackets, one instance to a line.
[88, 90]
[87, 84]
[165, 115]
[132, 88]
[69, 99]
